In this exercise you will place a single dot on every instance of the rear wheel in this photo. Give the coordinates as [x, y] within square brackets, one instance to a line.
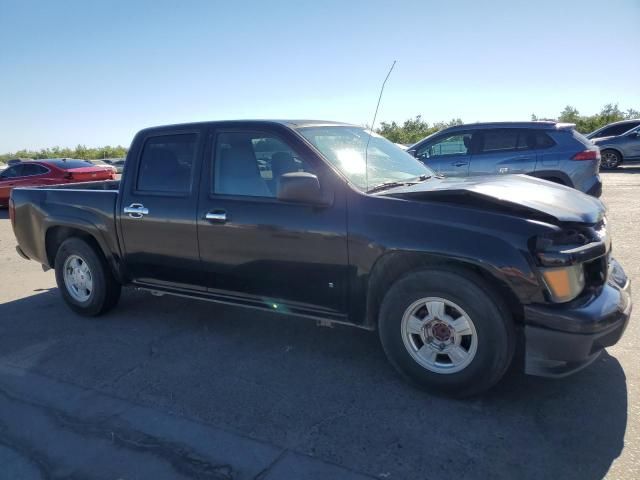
[445, 331]
[84, 279]
[610, 159]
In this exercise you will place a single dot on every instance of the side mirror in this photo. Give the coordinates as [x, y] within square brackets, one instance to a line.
[300, 187]
[412, 152]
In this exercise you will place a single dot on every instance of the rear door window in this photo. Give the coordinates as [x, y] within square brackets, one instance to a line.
[31, 169]
[500, 140]
[166, 164]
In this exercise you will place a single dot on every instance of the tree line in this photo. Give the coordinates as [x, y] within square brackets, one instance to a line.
[81, 151]
[588, 123]
[408, 132]
[416, 129]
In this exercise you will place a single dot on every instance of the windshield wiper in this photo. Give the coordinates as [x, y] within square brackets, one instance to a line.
[393, 184]
[387, 185]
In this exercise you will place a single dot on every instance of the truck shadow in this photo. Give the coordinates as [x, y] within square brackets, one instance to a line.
[325, 392]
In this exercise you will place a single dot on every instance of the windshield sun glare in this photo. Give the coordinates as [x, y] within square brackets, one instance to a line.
[344, 147]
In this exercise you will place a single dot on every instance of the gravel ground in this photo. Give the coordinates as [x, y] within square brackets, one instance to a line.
[172, 388]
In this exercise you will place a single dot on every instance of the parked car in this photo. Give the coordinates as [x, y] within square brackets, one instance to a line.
[614, 129]
[102, 163]
[548, 150]
[48, 172]
[619, 143]
[453, 273]
[117, 163]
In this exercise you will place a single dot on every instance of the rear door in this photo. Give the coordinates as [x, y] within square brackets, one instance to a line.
[448, 155]
[35, 174]
[502, 151]
[258, 250]
[158, 210]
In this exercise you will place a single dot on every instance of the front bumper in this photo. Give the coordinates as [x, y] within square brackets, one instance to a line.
[562, 339]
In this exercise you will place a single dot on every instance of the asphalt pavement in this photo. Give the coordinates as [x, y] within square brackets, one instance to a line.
[173, 388]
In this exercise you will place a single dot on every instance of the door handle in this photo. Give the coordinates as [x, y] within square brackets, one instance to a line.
[460, 164]
[217, 216]
[136, 210]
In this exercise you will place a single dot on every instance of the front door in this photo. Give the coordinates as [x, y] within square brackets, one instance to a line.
[158, 210]
[261, 251]
[448, 155]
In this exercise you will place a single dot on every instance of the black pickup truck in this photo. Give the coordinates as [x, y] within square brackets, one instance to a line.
[332, 222]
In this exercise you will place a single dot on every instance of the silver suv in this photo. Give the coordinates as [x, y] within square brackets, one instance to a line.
[549, 150]
[619, 143]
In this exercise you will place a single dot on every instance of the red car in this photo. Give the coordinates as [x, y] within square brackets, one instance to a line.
[49, 172]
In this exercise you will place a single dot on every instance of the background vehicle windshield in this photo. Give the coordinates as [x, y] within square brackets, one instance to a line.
[344, 147]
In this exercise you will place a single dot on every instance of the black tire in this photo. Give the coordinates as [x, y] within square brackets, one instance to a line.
[105, 291]
[496, 338]
[610, 159]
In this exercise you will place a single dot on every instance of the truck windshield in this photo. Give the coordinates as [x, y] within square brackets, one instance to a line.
[344, 146]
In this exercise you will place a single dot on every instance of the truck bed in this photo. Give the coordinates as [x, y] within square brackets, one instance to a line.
[41, 211]
[101, 185]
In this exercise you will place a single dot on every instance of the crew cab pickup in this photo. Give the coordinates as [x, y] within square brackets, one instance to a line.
[332, 222]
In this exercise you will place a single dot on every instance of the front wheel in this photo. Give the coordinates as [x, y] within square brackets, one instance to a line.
[84, 279]
[610, 159]
[445, 331]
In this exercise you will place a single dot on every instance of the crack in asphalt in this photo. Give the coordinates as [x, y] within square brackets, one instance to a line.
[182, 459]
[152, 348]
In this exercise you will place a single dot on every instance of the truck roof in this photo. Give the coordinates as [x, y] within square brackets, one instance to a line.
[293, 123]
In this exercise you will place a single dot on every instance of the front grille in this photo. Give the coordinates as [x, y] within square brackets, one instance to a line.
[595, 271]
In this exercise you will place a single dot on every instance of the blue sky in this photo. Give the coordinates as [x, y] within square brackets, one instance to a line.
[95, 72]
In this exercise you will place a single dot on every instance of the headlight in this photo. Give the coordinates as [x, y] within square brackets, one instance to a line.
[561, 255]
[564, 283]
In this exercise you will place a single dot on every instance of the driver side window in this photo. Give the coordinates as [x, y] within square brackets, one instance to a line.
[458, 144]
[251, 163]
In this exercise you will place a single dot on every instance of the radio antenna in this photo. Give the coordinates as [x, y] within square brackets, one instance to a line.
[373, 123]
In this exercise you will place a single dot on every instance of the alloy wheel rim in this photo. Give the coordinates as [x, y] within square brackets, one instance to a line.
[78, 278]
[609, 160]
[439, 335]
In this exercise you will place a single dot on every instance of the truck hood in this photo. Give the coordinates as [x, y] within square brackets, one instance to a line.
[515, 194]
